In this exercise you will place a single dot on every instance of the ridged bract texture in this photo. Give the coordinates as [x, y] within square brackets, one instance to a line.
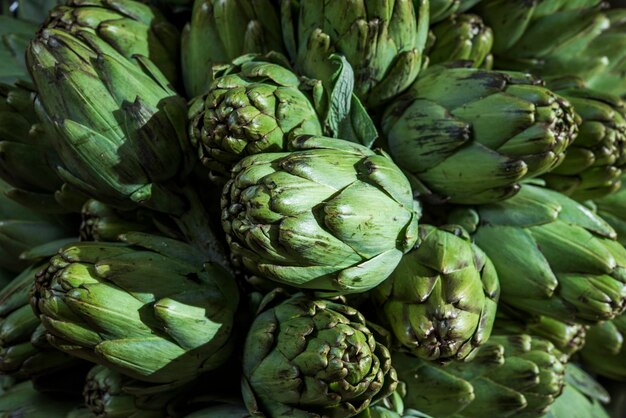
[222, 30]
[443, 9]
[130, 27]
[253, 107]
[511, 375]
[440, 302]
[146, 308]
[309, 358]
[605, 350]
[553, 256]
[470, 136]
[383, 40]
[331, 215]
[593, 164]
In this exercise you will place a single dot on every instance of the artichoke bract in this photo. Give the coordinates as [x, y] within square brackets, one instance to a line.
[511, 375]
[593, 164]
[130, 27]
[220, 31]
[146, 308]
[553, 256]
[253, 107]
[120, 128]
[461, 37]
[443, 9]
[24, 351]
[331, 215]
[382, 40]
[24, 401]
[604, 352]
[440, 302]
[470, 136]
[307, 358]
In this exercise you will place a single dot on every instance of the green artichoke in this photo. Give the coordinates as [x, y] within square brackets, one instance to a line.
[306, 358]
[220, 31]
[23, 401]
[461, 37]
[383, 40]
[582, 397]
[331, 215]
[553, 256]
[103, 223]
[440, 302]
[605, 350]
[593, 165]
[511, 375]
[443, 9]
[612, 208]
[470, 136]
[252, 107]
[146, 308]
[120, 129]
[130, 27]
[24, 351]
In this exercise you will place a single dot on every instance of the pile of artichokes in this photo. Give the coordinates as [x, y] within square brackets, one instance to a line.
[312, 208]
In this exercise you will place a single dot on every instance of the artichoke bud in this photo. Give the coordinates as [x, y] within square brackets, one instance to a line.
[605, 350]
[130, 27]
[253, 107]
[461, 38]
[335, 367]
[126, 138]
[116, 304]
[103, 223]
[440, 302]
[331, 215]
[559, 259]
[470, 136]
[593, 165]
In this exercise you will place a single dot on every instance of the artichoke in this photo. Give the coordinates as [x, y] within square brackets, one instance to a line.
[511, 375]
[253, 107]
[593, 165]
[461, 37]
[470, 136]
[440, 302]
[24, 351]
[443, 9]
[331, 215]
[130, 27]
[220, 31]
[306, 358]
[23, 401]
[145, 308]
[605, 350]
[120, 129]
[103, 223]
[553, 256]
[382, 40]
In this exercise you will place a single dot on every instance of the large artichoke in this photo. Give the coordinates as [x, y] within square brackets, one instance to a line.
[331, 215]
[121, 130]
[511, 375]
[593, 164]
[461, 37]
[383, 40]
[253, 107]
[442, 9]
[220, 31]
[146, 308]
[553, 256]
[440, 302]
[130, 27]
[604, 352]
[306, 358]
[470, 136]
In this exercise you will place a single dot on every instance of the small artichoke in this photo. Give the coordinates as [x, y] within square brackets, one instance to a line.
[130, 27]
[593, 164]
[553, 256]
[306, 358]
[511, 375]
[220, 31]
[383, 40]
[470, 136]
[443, 9]
[253, 107]
[146, 308]
[331, 215]
[440, 302]
[604, 352]
[462, 37]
